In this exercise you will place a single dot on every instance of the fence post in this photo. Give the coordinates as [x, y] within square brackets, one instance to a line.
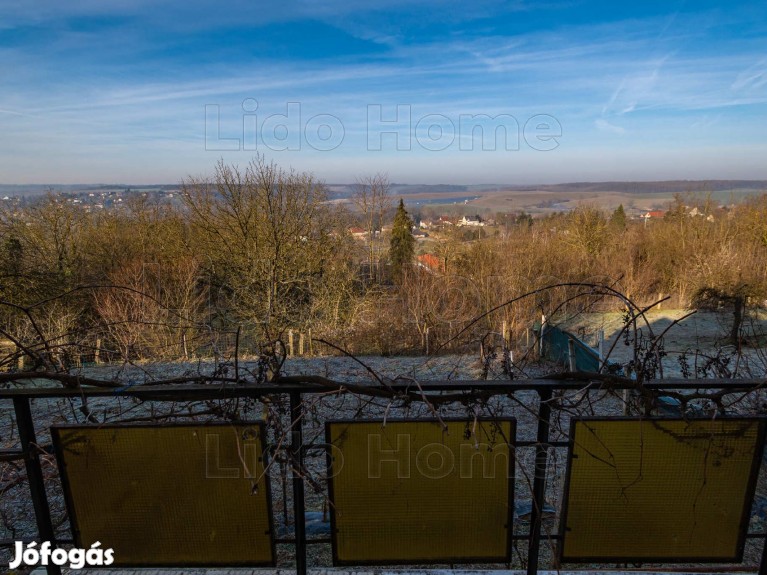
[296, 471]
[35, 475]
[97, 353]
[763, 562]
[539, 479]
[290, 343]
[301, 343]
[311, 350]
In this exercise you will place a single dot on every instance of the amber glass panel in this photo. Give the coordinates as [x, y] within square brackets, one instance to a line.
[171, 495]
[660, 490]
[416, 492]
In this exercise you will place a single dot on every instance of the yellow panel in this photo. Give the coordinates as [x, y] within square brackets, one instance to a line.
[170, 495]
[411, 492]
[652, 490]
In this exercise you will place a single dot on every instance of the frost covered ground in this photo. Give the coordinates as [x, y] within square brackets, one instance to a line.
[17, 513]
[699, 336]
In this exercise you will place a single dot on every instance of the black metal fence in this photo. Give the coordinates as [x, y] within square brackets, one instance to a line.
[546, 402]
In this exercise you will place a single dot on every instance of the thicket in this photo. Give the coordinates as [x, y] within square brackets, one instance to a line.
[253, 253]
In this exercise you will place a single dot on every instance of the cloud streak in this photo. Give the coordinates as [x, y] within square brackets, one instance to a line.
[135, 77]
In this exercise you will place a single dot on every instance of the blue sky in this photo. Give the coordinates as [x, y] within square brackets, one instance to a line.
[427, 92]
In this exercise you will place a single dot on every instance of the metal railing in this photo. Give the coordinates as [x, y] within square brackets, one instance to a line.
[297, 391]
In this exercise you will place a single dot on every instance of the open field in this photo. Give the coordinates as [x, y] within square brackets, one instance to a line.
[542, 202]
[636, 197]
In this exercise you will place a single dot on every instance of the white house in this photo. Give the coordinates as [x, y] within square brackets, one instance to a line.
[474, 221]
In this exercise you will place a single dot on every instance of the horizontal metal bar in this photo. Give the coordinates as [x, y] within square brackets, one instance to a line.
[535, 443]
[557, 537]
[321, 450]
[229, 390]
[526, 536]
[16, 454]
[11, 454]
[292, 541]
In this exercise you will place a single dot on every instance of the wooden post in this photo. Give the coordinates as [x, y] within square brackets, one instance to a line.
[504, 335]
[301, 343]
[311, 348]
[543, 330]
[290, 343]
[97, 353]
[427, 340]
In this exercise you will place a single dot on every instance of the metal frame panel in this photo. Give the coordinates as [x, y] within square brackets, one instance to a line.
[698, 444]
[461, 530]
[250, 490]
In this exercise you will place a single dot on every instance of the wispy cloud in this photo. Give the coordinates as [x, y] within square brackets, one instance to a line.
[606, 126]
[753, 79]
[90, 80]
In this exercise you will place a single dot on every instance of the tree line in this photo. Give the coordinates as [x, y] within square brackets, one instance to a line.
[251, 253]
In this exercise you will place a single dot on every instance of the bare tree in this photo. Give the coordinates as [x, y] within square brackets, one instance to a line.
[269, 236]
[372, 200]
[152, 311]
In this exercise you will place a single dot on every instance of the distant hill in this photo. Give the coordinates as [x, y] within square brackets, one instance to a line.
[448, 191]
[661, 187]
[396, 189]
